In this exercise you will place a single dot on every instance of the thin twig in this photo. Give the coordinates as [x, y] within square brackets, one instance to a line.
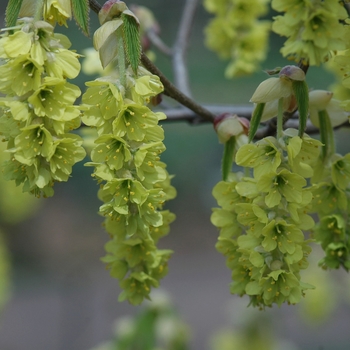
[180, 47]
[95, 6]
[268, 129]
[176, 94]
[186, 115]
[158, 42]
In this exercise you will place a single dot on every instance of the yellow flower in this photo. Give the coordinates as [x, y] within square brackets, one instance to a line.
[57, 11]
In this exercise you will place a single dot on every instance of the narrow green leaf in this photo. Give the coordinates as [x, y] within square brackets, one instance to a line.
[255, 121]
[81, 14]
[301, 93]
[280, 118]
[326, 134]
[227, 158]
[12, 11]
[323, 134]
[132, 41]
[121, 56]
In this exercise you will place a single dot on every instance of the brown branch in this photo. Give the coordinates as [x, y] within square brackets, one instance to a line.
[186, 115]
[268, 129]
[158, 43]
[176, 94]
[95, 6]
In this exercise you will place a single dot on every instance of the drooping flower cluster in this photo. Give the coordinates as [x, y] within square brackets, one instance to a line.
[134, 182]
[339, 65]
[38, 111]
[313, 28]
[331, 204]
[330, 183]
[236, 33]
[262, 218]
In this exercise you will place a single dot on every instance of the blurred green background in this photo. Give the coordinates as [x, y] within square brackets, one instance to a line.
[62, 296]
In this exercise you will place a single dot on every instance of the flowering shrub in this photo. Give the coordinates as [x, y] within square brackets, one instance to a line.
[264, 209]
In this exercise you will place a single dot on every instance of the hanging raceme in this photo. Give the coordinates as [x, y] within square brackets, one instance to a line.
[262, 224]
[264, 211]
[313, 29]
[38, 109]
[235, 33]
[126, 160]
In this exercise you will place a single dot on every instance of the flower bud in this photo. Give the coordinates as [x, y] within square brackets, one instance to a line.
[227, 125]
[292, 72]
[272, 89]
[319, 99]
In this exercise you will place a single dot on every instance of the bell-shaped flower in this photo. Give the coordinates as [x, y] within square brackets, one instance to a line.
[133, 120]
[264, 156]
[337, 255]
[331, 228]
[102, 103]
[302, 152]
[68, 151]
[277, 287]
[20, 75]
[52, 97]
[286, 237]
[341, 172]
[328, 198]
[58, 11]
[283, 184]
[112, 150]
[253, 216]
[226, 194]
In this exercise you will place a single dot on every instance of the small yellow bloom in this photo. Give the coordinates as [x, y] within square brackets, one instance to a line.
[57, 11]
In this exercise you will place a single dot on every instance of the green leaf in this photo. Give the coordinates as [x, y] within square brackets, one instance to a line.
[81, 14]
[12, 11]
[255, 121]
[131, 40]
[227, 158]
[301, 93]
[326, 134]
